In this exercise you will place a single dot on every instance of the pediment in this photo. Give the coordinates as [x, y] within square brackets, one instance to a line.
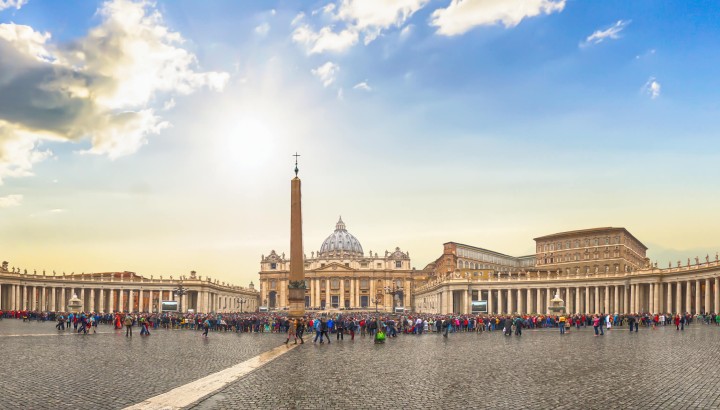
[335, 267]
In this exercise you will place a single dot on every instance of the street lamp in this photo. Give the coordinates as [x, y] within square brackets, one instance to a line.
[242, 302]
[377, 300]
[394, 290]
[180, 291]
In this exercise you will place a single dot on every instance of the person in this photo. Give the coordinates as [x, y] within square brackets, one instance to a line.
[518, 326]
[300, 330]
[324, 330]
[206, 326]
[380, 333]
[318, 331]
[339, 329]
[631, 321]
[561, 321]
[61, 323]
[128, 325]
[596, 324]
[446, 326]
[292, 331]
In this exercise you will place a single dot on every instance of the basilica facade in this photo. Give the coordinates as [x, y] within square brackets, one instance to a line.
[341, 275]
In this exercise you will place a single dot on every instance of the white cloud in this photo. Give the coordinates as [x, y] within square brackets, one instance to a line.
[612, 33]
[262, 29]
[652, 88]
[6, 4]
[327, 73]
[101, 87]
[463, 15]
[10, 201]
[325, 39]
[169, 104]
[362, 86]
[368, 18]
[406, 31]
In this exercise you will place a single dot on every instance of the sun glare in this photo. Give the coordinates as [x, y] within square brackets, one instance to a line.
[245, 143]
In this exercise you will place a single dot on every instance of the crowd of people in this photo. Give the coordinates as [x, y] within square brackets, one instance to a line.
[349, 324]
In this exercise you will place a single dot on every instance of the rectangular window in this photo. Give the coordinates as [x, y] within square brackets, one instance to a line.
[363, 264]
[398, 264]
[335, 284]
[379, 265]
[272, 285]
[322, 284]
[273, 266]
[364, 284]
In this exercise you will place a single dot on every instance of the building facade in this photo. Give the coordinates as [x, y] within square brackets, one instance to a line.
[119, 292]
[615, 276]
[341, 276]
[591, 251]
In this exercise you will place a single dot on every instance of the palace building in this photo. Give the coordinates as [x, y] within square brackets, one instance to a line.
[341, 275]
[599, 270]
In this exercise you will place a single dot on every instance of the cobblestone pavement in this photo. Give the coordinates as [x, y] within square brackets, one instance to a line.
[660, 368]
[48, 369]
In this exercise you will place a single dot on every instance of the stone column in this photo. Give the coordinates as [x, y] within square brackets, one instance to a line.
[520, 302]
[538, 301]
[41, 305]
[141, 301]
[657, 294]
[578, 307]
[707, 296]
[529, 301]
[633, 292]
[651, 298]
[121, 300]
[92, 299]
[185, 302]
[717, 295]
[101, 301]
[341, 299]
[668, 301]
[490, 306]
[318, 289]
[568, 300]
[607, 300]
[82, 297]
[510, 301]
[688, 296]
[312, 292]
[501, 305]
[697, 296]
[328, 285]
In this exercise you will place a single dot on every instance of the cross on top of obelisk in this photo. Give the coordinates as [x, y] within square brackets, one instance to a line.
[296, 155]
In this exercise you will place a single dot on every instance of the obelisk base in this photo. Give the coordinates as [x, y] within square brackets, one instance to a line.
[296, 303]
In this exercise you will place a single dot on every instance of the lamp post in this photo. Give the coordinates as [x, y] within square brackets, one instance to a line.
[180, 291]
[242, 302]
[377, 300]
[394, 290]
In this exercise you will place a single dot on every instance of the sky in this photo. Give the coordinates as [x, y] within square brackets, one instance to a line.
[157, 137]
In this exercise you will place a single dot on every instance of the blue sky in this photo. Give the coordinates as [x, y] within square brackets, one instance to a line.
[479, 121]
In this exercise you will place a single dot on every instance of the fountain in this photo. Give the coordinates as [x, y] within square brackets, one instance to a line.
[557, 305]
[75, 305]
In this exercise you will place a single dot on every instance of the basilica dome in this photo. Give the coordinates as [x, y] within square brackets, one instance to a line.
[341, 243]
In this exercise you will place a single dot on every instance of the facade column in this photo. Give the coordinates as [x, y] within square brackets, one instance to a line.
[318, 289]
[101, 301]
[717, 296]
[352, 293]
[633, 292]
[596, 301]
[669, 301]
[688, 296]
[657, 298]
[121, 300]
[42, 306]
[528, 301]
[82, 297]
[92, 300]
[678, 298]
[341, 299]
[13, 291]
[616, 302]
[501, 306]
[520, 302]
[33, 297]
[538, 301]
[651, 298]
[707, 296]
[328, 285]
[577, 300]
[607, 299]
[568, 301]
[510, 301]
[62, 299]
[697, 296]
[588, 307]
[141, 301]
[490, 302]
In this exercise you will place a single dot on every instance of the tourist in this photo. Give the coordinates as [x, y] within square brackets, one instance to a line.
[206, 326]
[596, 324]
[561, 321]
[292, 331]
[128, 325]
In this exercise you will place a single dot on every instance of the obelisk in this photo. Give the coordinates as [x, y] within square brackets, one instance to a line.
[296, 282]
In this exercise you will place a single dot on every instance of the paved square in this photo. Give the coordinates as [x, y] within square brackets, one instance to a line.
[46, 369]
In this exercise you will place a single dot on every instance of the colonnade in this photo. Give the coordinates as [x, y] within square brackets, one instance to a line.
[353, 294]
[676, 295]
